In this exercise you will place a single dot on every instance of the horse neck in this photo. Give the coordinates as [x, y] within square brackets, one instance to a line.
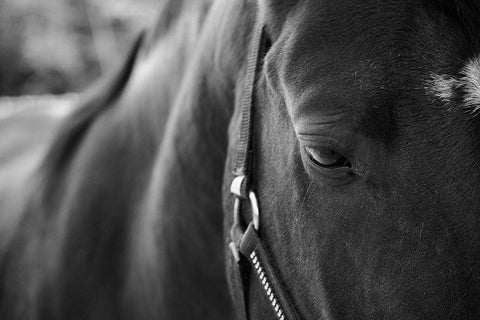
[91, 185]
[175, 244]
[131, 217]
[176, 254]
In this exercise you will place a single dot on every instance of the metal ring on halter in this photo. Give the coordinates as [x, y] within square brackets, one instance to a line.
[237, 231]
[255, 209]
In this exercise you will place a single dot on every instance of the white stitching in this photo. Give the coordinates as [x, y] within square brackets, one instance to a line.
[267, 286]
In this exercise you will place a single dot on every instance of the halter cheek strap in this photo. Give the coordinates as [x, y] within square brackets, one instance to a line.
[248, 252]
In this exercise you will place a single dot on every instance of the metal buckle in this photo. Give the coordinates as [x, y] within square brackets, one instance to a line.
[236, 186]
[237, 231]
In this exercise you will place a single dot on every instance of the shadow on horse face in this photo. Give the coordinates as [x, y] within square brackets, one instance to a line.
[368, 181]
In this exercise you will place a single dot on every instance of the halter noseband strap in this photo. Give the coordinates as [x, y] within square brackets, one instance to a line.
[246, 246]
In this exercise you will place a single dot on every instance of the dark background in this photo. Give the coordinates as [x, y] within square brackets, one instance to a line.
[61, 46]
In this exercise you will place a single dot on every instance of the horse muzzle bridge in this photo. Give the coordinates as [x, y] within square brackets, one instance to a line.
[246, 245]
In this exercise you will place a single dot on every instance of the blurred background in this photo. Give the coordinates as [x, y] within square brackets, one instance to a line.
[61, 46]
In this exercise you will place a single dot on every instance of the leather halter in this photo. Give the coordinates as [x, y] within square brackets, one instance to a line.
[246, 245]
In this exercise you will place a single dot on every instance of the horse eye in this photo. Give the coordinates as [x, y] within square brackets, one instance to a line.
[327, 158]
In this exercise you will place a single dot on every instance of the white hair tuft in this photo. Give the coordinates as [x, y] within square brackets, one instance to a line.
[467, 86]
[471, 85]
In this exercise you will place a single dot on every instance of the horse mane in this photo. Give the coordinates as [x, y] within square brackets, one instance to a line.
[94, 102]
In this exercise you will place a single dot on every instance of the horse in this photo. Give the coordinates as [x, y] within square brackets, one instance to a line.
[355, 125]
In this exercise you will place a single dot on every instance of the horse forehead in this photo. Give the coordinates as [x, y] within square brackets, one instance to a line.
[334, 54]
[368, 49]
[323, 36]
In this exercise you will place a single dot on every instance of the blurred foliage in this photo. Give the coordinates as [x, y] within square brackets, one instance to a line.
[59, 46]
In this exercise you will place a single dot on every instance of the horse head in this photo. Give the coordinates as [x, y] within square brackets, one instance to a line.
[365, 151]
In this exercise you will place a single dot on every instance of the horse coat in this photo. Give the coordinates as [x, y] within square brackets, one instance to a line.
[363, 113]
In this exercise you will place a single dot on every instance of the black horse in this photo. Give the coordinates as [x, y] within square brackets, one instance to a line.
[363, 155]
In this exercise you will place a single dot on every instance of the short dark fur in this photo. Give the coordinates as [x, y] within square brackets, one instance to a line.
[463, 12]
[397, 241]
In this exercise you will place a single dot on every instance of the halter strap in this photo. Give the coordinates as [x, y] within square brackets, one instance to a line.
[243, 161]
[246, 246]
